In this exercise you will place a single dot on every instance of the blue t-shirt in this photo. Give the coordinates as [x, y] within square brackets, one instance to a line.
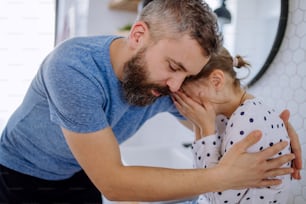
[75, 88]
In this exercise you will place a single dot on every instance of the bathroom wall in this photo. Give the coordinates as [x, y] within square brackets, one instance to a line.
[284, 83]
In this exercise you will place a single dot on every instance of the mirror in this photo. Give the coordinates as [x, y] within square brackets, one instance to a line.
[253, 29]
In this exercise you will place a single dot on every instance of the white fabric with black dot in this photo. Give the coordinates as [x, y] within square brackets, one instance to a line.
[251, 115]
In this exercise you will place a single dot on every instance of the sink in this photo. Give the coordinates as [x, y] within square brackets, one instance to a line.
[157, 156]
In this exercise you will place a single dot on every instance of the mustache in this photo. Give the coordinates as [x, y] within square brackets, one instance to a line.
[164, 91]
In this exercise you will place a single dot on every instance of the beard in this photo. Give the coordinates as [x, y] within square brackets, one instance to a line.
[136, 89]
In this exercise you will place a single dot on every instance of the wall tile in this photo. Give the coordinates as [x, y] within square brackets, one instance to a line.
[289, 69]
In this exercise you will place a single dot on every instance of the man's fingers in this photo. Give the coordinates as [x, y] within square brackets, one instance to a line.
[269, 182]
[249, 140]
[295, 146]
[275, 149]
[279, 172]
[285, 115]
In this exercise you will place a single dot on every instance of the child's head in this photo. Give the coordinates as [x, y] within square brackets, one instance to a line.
[224, 62]
[217, 76]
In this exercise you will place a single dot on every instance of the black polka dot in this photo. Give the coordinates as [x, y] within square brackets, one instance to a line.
[271, 144]
[269, 112]
[265, 118]
[241, 132]
[242, 113]
[232, 125]
[272, 126]
[280, 153]
[208, 155]
[225, 201]
[238, 194]
[231, 142]
[251, 120]
[214, 143]
[275, 201]
[203, 142]
[248, 198]
[261, 197]
[261, 148]
[219, 193]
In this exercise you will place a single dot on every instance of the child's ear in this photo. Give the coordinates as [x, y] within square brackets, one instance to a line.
[217, 79]
[137, 33]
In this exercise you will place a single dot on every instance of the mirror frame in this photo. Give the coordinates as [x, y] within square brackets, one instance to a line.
[282, 24]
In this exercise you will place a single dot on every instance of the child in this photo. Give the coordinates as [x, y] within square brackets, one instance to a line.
[223, 113]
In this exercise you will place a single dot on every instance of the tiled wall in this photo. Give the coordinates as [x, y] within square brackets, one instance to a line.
[284, 83]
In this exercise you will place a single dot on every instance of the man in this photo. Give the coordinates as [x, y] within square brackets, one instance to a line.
[92, 93]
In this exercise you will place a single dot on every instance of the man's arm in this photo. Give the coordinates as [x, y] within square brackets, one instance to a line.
[99, 155]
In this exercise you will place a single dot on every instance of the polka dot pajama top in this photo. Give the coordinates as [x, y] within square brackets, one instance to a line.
[251, 115]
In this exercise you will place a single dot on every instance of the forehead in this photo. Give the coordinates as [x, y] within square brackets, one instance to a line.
[184, 51]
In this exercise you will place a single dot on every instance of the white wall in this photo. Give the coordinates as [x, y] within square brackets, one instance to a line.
[102, 20]
[284, 84]
[26, 36]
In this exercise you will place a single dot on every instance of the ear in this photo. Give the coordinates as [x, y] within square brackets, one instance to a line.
[137, 34]
[217, 79]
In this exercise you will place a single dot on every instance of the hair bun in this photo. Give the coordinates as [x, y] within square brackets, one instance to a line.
[235, 62]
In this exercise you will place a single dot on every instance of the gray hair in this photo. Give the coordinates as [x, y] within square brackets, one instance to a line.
[174, 18]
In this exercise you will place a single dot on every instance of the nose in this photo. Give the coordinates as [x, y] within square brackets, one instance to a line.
[175, 84]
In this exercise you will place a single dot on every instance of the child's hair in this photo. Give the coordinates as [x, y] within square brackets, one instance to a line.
[225, 62]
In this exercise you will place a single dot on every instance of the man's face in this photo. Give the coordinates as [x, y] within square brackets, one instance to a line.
[137, 88]
[160, 69]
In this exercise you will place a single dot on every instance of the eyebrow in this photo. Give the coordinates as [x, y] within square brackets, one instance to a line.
[179, 64]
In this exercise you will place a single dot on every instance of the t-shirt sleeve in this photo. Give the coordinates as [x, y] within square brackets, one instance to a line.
[75, 99]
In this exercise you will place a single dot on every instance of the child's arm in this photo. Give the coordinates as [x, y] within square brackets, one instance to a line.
[206, 151]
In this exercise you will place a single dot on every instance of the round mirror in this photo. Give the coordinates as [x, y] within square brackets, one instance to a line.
[253, 29]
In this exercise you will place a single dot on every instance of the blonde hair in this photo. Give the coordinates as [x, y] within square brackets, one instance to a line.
[173, 18]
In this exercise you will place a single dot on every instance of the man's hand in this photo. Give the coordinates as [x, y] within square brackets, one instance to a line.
[295, 145]
[253, 169]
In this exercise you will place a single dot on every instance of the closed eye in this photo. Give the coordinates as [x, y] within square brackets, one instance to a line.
[172, 68]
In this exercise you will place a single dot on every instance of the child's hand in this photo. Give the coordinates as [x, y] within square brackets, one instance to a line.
[202, 115]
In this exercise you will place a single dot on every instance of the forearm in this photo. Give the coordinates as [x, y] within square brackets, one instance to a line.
[155, 184]
[99, 155]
